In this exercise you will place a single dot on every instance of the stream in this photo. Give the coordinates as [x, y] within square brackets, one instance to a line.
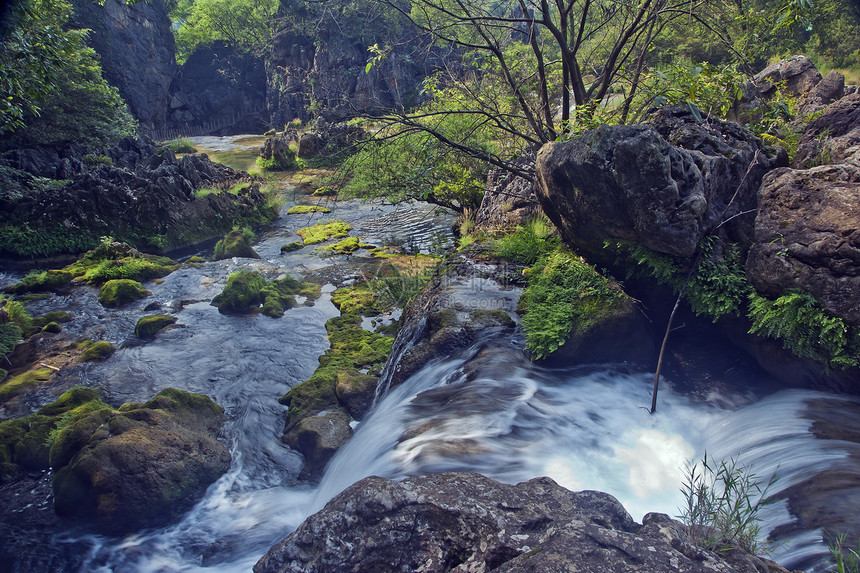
[488, 410]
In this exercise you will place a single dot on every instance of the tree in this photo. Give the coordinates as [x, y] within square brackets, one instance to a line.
[52, 85]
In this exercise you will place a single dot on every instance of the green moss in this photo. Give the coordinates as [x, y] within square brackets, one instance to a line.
[324, 231]
[347, 246]
[10, 334]
[528, 243]
[137, 268]
[97, 351]
[491, 318]
[247, 290]
[236, 243]
[302, 209]
[358, 299]
[290, 247]
[18, 384]
[33, 297]
[52, 327]
[120, 292]
[563, 293]
[195, 260]
[325, 191]
[290, 162]
[50, 280]
[148, 326]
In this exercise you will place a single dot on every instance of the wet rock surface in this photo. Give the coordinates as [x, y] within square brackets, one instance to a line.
[467, 522]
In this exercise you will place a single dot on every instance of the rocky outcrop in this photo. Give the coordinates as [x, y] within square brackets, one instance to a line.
[221, 89]
[141, 465]
[808, 237]
[468, 522]
[834, 137]
[133, 194]
[797, 74]
[471, 301]
[664, 186]
[137, 53]
[509, 200]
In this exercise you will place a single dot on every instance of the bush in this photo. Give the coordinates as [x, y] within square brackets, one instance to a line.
[179, 146]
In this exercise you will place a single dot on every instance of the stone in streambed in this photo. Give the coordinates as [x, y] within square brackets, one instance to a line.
[149, 326]
[318, 437]
[120, 292]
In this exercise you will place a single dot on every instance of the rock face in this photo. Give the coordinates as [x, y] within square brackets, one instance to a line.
[142, 197]
[663, 186]
[472, 301]
[137, 53]
[139, 466]
[509, 200]
[834, 137]
[798, 74]
[221, 88]
[808, 237]
[467, 522]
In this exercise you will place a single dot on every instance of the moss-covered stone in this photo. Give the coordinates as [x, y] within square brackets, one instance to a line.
[120, 292]
[52, 328]
[140, 465]
[113, 260]
[303, 209]
[325, 191]
[247, 291]
[318, 438]
[50, 280]
[355, 391]
[324, 231]
[195, 260]
[290, 247]
[17, 384]
[347, 246]
[148, 326]
[236, 243]
[97, 351]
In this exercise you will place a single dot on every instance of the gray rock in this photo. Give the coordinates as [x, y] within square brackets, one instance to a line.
[467, 522]
[509, 200]
[808, 237]
[663, 186]
[798, 74]
[834, 137]
[318, 437]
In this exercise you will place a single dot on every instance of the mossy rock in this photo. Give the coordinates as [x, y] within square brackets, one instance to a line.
[318, 437]
[120, 292]
[236, 243]
[149, 326]
[52, 328]
[26, 442]
[242, 293]
[97, 351]
[18, 384]
[356, 391]
[141, 465]
[324, 231]
[325, 191]
[120, 261]
[290, 247]
[50, 280]
[348, 246]
[195, 260]
[303, 209]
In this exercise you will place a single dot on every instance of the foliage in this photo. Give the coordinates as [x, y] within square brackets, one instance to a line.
[303, 209]
[35, 281]
[721, 505]
[805, 329]
[10, 334]
[324, 231]
[246, 25]
[844, 559]
[17, 314]
[563, 293]
[52, 87]
[178, 146]
[246, 291]
[289, 162]
[527, 243]
[94, 159]
[136, 268]
[395, 288]
[27, 240]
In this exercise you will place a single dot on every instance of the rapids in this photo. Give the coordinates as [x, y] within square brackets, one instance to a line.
[488, 410]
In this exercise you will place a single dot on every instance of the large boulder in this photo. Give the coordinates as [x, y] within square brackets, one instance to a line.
[808, 237]
[141, 465]
[664, 186]
[468, 522]
[797, 74]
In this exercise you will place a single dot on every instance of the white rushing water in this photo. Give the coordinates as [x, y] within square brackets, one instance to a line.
[502, 416]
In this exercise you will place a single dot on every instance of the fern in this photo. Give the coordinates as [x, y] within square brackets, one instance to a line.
[805, 329]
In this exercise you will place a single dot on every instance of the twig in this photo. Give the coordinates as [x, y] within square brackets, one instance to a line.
[54, 368]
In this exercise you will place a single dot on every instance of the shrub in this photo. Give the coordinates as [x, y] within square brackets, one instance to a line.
[528, 243]
[179, 146]
[93, 160]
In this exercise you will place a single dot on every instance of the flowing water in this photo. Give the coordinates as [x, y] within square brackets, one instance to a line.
[488, 410]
